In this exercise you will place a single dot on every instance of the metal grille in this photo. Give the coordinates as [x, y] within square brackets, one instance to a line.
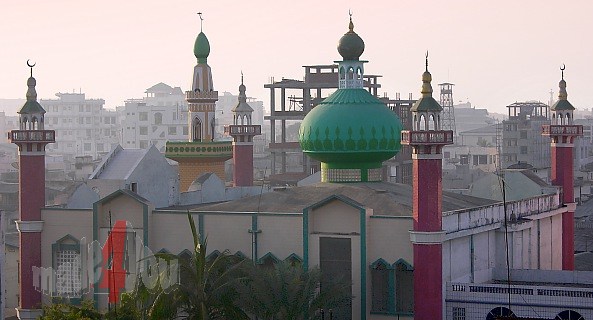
[68, 277]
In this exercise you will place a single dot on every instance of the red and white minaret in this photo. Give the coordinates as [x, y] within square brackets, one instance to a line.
[427, 140]
[563, 132]
[242, 132]
[31, 139]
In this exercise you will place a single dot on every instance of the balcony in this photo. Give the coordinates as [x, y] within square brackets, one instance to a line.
[198, 149]
[248, 130]
[32, 136]
[209, 95]
[441, 137]
[562, 130]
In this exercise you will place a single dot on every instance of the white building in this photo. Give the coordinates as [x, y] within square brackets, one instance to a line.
[83, 126]
[159, 117]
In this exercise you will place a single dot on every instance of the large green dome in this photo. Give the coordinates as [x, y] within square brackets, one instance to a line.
[351, 129]
[202, 48]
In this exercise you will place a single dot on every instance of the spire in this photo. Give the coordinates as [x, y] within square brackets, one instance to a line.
[31, 82]
[426, 79]
[562, 94]
[202, 45]
[31, 106]
[350, 25]
[242, 95]
[201, 22]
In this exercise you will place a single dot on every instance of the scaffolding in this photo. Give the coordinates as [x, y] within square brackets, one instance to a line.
[446, 101]
[290, 101]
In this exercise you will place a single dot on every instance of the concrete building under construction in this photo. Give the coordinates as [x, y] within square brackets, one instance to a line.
[291, 100]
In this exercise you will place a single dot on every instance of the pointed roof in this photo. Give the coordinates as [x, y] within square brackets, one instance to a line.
[31, 106]
[426, 103]
[562, 103]
[242, 106]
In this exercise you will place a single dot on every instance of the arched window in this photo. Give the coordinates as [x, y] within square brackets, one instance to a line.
[350, 73]
[66, 262]
[422, 123]
[382, 290]
[158, 118]
[184, 266]
[268, 261]
[569, 315]
[212, 125]
[342, 73]
[498, 312]
[431, 122]
[567, 118]
[404, 287]
[358, 73]
[196, 129]
[294, 260]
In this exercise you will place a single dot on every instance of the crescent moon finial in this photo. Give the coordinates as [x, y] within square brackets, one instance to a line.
[201, 20]
[562, 70]
[31, 66]
[426, 60]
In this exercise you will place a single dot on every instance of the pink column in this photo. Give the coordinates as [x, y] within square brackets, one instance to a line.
[427, 198]
[243, 168]
[562, 175]
[31, 200]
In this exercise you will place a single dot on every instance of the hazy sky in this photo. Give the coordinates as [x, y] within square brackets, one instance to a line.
[496, 52]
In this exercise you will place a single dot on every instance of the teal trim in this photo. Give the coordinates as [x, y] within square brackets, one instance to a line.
[240, 255]
[294, 257]
[254, 231]
[379, 262]
[363, 265]
[201, 227]
[163, 250]
[391, 292]
[268, 256]
[213, 255]
[390, 217]
[471, 258]
[306, 239]
[226, 213]
[404, 263]
[185, 252]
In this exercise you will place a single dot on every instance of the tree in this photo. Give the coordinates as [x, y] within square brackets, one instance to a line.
[289, 292]
[207, 288]
[63, 311]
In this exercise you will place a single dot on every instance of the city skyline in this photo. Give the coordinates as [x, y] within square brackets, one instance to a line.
[495, 53]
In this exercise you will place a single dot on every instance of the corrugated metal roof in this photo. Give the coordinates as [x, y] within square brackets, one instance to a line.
[121, 164]
[384, 198]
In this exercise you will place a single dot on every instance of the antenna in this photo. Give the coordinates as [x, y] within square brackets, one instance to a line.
[201, 21]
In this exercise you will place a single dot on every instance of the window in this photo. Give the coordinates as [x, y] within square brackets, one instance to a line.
[185, 131]
[464, 159]
[458, 313]
[143, 116]
[480, 159]
[335, 263]
[134, 187]
[172, 130]
[447, 154]
[66, 262]
[158, 118]
[404, 288]
[143, 144]
[143, 131]
[87, 147]
[88, 120]
[100, 147]
[382, 293]
[523, 134]
[523, 149]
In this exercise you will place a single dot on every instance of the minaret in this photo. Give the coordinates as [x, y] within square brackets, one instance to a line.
[201, 153]
[427, 140]
[563, 132]
[242, 132]
[31, 139]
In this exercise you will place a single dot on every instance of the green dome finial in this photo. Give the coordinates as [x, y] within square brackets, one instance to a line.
[350, 45]
[201, 46]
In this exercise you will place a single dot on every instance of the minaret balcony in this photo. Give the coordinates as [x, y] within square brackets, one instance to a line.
[562, 130]
[199, 95]
[199, 149]
[351, 84]
[243, 129]
[32, 136]
[428, 137]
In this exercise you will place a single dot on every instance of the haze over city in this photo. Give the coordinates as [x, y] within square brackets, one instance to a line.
[496, 52]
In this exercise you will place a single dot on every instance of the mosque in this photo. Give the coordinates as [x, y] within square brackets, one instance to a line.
[410, 252]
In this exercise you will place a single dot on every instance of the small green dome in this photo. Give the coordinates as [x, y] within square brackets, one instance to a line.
[351, 129]
[202, 48]
[351, 45]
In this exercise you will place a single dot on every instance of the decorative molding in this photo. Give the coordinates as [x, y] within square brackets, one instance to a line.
[423, 237]
[29, 226]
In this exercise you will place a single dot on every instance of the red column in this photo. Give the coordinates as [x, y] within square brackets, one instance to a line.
[243, 168]
[428, 277]
[31, 200]
[562, 175]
